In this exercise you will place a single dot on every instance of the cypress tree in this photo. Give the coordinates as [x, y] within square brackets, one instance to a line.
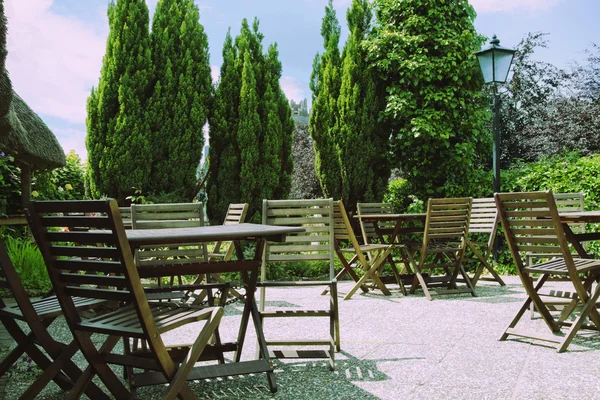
[224, 164]
[323, 120]
[248, 130]
[251, 129]
[180, 102]
[118, 130]
[362, 140]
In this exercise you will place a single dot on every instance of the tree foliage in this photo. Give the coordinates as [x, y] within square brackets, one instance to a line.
[362, 141]
[424, 51]
[325, 83]
[182, 91]
[118, 121]
[547, 110]
[250, 127]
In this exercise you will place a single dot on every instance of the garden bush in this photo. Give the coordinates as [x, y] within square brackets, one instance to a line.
[29, 264]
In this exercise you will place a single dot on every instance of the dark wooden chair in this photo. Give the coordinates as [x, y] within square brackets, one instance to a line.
[483, 227]
[346, 242]
[444, 243]
[532, 224]
[39, 315]
[101, 267]
[316, 243]
[164, 216]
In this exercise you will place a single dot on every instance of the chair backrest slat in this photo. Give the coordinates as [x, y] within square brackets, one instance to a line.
[448, 220]
[107, 253]
[236, 214]
[531, 224]
[367, 228]
[163, 216]
[316, 243]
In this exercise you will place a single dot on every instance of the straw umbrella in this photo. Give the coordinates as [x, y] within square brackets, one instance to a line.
[23, 134]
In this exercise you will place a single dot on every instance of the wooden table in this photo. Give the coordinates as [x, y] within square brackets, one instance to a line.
[579, 217]
[249, 269]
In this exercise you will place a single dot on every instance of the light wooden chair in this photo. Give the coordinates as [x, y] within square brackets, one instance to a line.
[164, 216]
[101, 267]
[369, 234]
[315, 244]
[557, 300]
[126, 216]
[223, 251]
[344, 233]
[532, 224]
[483, 227]
[444, 240]
[53, 357]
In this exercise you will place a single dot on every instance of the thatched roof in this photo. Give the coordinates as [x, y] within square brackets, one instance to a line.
[23, 134]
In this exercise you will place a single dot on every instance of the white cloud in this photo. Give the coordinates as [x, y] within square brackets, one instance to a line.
[215, 73]
[292, 88]
[71, 139]
[53, 60]
[494, 6]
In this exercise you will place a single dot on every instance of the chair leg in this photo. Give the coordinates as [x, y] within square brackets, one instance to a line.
[525, 306]
[588, 307]
[178, 381]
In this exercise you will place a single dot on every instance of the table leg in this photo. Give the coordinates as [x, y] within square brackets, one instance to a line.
[572, 238]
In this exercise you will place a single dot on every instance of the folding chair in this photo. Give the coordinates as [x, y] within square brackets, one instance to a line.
[38, 315]
[316, 243]
[164, 216]
[532, 224]
[483, 225]
[223, 251]
[444, 240]
[101, 267]
[343, 233]
[557, 300]
[368, 231]
[126, 216]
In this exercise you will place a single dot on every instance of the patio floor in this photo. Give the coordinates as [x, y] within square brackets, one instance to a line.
[400, 347]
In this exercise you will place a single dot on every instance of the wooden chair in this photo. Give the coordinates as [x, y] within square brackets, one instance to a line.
[444, 240]
[344, 233]
[108, 272]
[126, 216]
[368, 231]
[223, 251]
[558, 300]
[53, 357]
[163, 216]
[315, 244]
[532, 224]
[483, 227]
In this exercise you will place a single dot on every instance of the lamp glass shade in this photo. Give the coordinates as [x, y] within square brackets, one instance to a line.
[495, 62]
[502, 61]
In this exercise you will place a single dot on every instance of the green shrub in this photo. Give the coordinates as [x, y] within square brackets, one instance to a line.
[29, 264]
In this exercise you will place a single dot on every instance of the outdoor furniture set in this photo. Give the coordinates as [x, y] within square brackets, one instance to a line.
[128, 285]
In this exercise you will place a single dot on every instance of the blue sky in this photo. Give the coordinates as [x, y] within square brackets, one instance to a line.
[56, 46]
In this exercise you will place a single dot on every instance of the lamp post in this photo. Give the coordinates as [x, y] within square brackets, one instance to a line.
[495, 62]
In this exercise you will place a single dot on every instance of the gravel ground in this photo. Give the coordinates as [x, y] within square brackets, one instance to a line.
[394, 347]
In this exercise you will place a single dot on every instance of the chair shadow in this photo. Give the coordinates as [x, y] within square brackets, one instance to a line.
[305, 379]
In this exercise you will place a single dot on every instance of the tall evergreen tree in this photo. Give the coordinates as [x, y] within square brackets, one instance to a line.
[251, 130]
[424, 50]
[248, 136]
[182, 92]
[118, 128]
[323, 121]
[362, 140]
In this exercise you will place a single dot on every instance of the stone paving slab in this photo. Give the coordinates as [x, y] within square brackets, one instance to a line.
[401, 347]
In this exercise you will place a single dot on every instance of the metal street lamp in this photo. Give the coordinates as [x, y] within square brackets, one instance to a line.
[495, 62]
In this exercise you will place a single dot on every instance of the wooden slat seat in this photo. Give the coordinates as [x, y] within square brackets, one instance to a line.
[316, 242]
[532, 224]
[108, 272]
